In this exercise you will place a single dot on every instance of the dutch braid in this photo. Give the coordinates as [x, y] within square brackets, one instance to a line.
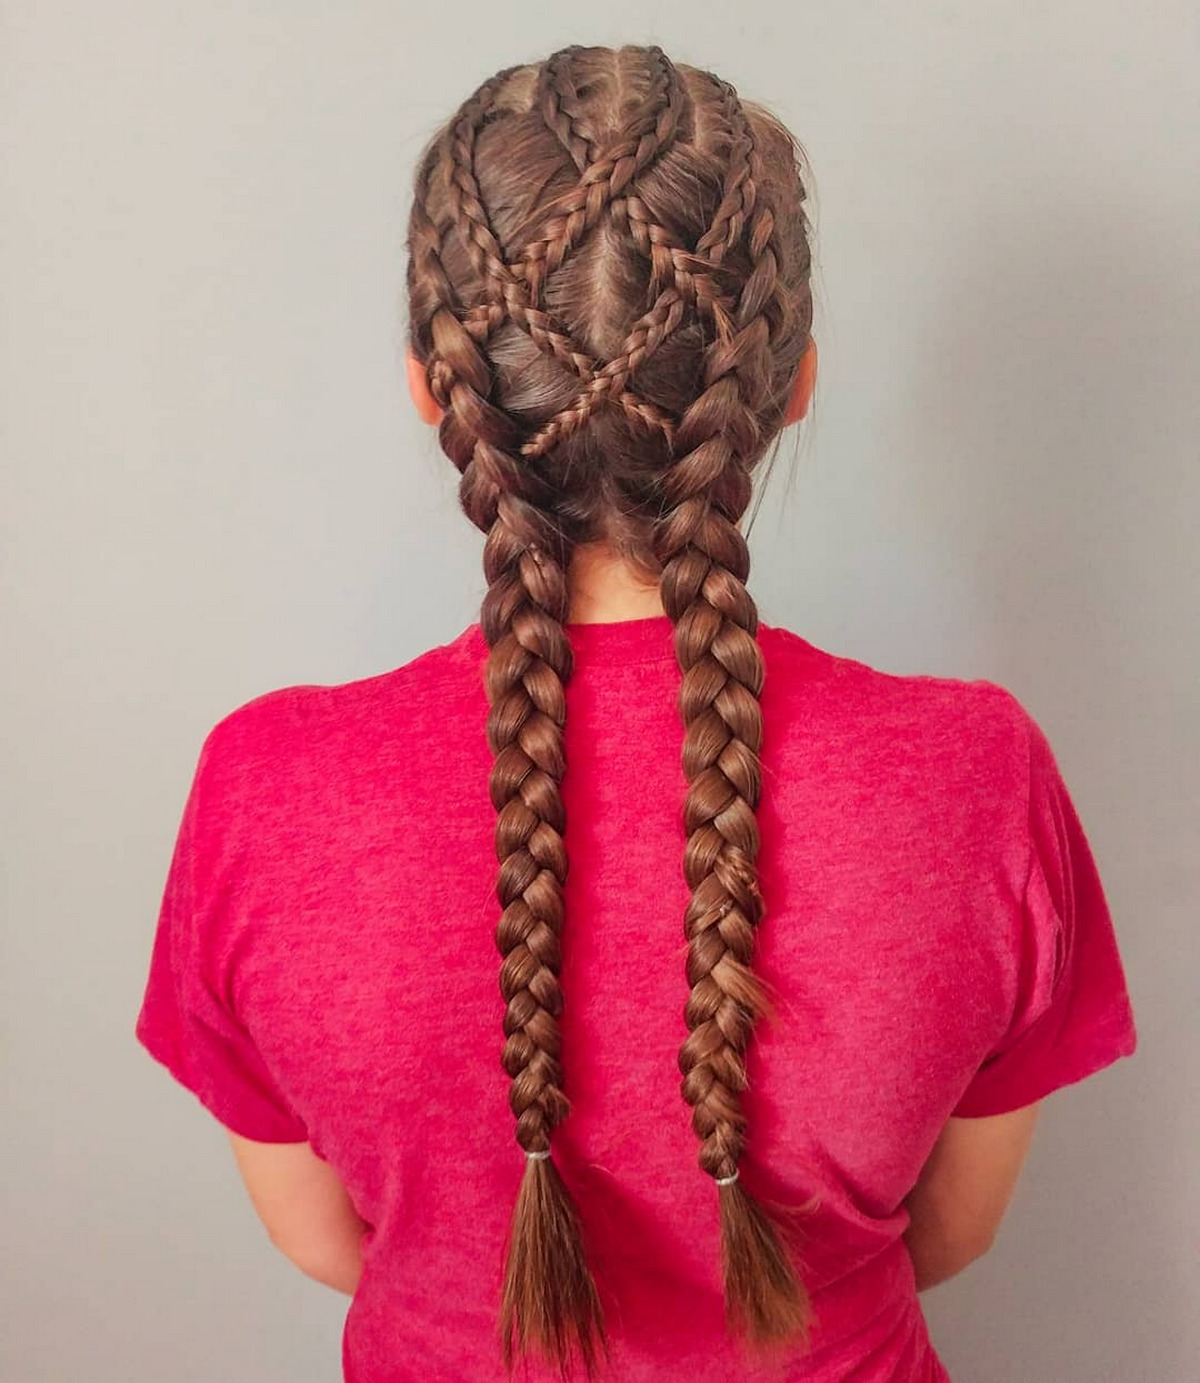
[549, 1298]
[706, 562]
[715, 303]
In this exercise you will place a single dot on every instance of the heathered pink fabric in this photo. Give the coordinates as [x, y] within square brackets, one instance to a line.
[936, 937]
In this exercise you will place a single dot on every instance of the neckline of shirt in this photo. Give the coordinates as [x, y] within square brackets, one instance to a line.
[648, 639]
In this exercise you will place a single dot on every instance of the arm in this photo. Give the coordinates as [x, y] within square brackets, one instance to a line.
[964, 1190]
[307, 1211]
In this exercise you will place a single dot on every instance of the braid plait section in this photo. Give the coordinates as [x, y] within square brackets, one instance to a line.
[611, 381]
[740, 189]
[470, 215]
[671, 261]
[558, 101]
[508, 296]
[692, 287]
[706, 563]
[648, 132]
[549, 1299]
[511, 291]
[505, 295]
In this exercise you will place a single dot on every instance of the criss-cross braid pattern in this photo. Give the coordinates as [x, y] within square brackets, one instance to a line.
[511, 289]
[511, 489]
[681, 277]
[648, 132]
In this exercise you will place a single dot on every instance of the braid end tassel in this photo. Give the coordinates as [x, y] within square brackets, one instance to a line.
[549, 1301]
[764, 1294]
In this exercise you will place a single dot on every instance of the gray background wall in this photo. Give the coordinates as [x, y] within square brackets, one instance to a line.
[213, 486]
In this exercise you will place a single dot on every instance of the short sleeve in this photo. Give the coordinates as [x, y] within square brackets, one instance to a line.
[1072, 1015]
[184, 1023]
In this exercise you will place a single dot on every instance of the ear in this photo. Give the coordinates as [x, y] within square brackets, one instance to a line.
[802, 390]
[428, 409]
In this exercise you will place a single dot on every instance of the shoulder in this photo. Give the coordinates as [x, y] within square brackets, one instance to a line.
[958, 727]
[291, 729]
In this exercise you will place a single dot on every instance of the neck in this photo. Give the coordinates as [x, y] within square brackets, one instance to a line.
[606, 588]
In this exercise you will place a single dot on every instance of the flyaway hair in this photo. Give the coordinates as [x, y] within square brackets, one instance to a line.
[608, 287]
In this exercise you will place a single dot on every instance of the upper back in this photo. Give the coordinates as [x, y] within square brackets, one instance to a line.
[917, 856]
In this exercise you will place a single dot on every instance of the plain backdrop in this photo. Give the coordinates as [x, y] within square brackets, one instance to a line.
[213, 486]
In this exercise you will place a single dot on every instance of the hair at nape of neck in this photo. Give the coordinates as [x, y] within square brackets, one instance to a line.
[608, 359]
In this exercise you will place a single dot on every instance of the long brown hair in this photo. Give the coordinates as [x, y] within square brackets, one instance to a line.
[609, 289]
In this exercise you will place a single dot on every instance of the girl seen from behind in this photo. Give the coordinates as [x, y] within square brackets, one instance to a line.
[788, 947]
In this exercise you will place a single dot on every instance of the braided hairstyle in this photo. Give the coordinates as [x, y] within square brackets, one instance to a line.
[608, 287]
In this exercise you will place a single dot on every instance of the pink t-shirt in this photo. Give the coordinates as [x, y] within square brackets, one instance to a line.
[936, 938]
